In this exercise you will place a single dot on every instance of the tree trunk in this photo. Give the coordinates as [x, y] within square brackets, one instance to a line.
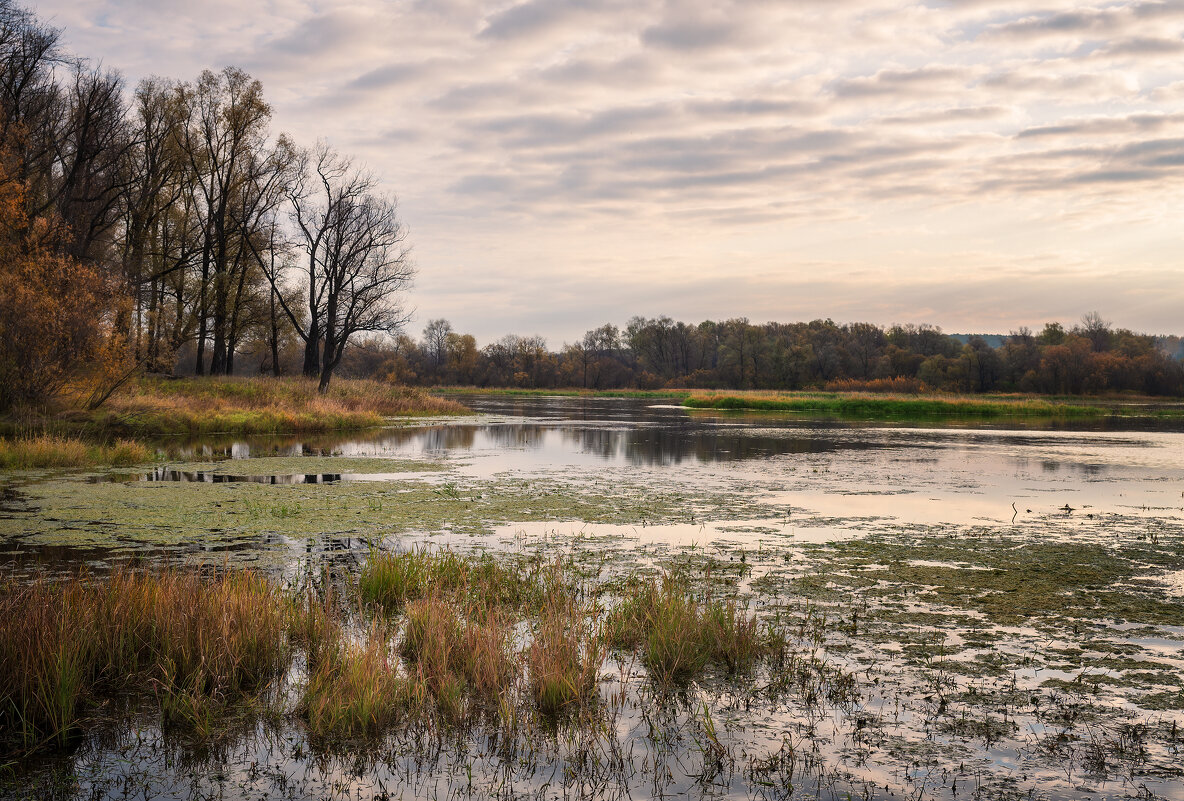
[275, 338]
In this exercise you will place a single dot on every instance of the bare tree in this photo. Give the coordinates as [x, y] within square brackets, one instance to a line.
[435, 341]
[356, 259]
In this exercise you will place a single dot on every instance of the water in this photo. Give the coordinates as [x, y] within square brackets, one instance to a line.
[907, 538]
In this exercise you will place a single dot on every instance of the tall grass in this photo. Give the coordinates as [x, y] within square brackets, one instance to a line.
[196, 642]
[564, 659]
[356, 690]
[678, 635]
[888, 407]
[390, 580]
[261, 406]
[445, 640]
[39, 451]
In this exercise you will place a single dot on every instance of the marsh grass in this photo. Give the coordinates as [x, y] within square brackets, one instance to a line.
[564, 659]
[154, 407]
[356, 690]
[433, 639]
[47, 450]
[896, 406]
[392, 579]
[679, 635]
[198, 643]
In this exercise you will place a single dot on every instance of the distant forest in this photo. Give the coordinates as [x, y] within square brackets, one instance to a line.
[1090, 357]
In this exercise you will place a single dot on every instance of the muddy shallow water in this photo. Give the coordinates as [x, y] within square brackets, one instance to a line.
[1003, 604]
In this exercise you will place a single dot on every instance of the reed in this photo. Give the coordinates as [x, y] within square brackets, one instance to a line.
[197, 642]
[679, 636]
[45, 450]
[357, 690]
[564, 660]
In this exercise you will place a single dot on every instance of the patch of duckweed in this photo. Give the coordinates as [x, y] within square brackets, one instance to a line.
[146, 514]
[1012, 581]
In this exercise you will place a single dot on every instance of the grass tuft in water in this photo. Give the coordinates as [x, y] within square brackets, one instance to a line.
[564, 660]
[199, 642]
[679, 635]
[356, 690]
[40, 451]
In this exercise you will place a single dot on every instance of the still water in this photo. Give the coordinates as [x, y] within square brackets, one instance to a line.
[962, 694]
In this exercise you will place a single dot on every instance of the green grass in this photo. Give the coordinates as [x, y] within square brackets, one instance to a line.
[679, 635]
[890, 407]
[567, 392]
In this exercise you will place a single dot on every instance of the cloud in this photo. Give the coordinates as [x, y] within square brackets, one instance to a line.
[925, 81]
[693, 138]
[1092, 23]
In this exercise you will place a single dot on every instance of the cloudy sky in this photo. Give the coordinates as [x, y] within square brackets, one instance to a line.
[976, 164]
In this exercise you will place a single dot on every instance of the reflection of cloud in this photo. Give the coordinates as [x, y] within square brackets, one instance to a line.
[549, 137]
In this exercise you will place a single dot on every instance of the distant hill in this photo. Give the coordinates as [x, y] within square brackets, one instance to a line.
[994, 340]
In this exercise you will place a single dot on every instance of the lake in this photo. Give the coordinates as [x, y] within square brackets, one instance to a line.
[989, 612]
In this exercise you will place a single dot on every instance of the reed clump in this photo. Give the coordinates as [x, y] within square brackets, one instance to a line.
[564, 659]
[458, 654]
[391, 580]
[356, 690]
[678, 635]
[45, 450]
[200, 643]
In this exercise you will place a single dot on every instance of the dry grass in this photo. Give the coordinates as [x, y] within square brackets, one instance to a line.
[474, 639]
[356, 690]
[261, 406]
[39, 451]
[199, 643]
[678, 635]
[564, 660]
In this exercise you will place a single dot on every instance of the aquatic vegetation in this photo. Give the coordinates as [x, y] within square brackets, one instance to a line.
[356, 689]
[564, 659]
[679, 635]
[734, 624]
[895, 407]
[194, 640]
[45, 450]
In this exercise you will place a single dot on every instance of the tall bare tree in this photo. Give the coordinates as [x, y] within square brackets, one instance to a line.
[355, 259]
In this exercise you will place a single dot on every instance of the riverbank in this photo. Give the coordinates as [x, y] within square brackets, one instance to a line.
[156, 408]
[880, 406]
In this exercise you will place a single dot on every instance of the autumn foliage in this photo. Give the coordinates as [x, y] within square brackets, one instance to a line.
[56, 323]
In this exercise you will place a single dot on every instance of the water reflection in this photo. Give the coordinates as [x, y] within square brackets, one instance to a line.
[545, 433]
[201, 476]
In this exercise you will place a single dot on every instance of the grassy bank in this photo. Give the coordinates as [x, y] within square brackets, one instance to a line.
[39, 451]
[900, 406]
[566, 392]
[867, 405]
[158, 407]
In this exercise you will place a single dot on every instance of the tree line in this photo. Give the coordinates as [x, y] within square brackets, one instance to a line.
[1090, 357]
[168, 226]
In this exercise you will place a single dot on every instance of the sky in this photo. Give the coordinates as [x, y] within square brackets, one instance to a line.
[975, 164]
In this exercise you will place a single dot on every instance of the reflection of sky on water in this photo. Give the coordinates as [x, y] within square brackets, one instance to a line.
[825, 469]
